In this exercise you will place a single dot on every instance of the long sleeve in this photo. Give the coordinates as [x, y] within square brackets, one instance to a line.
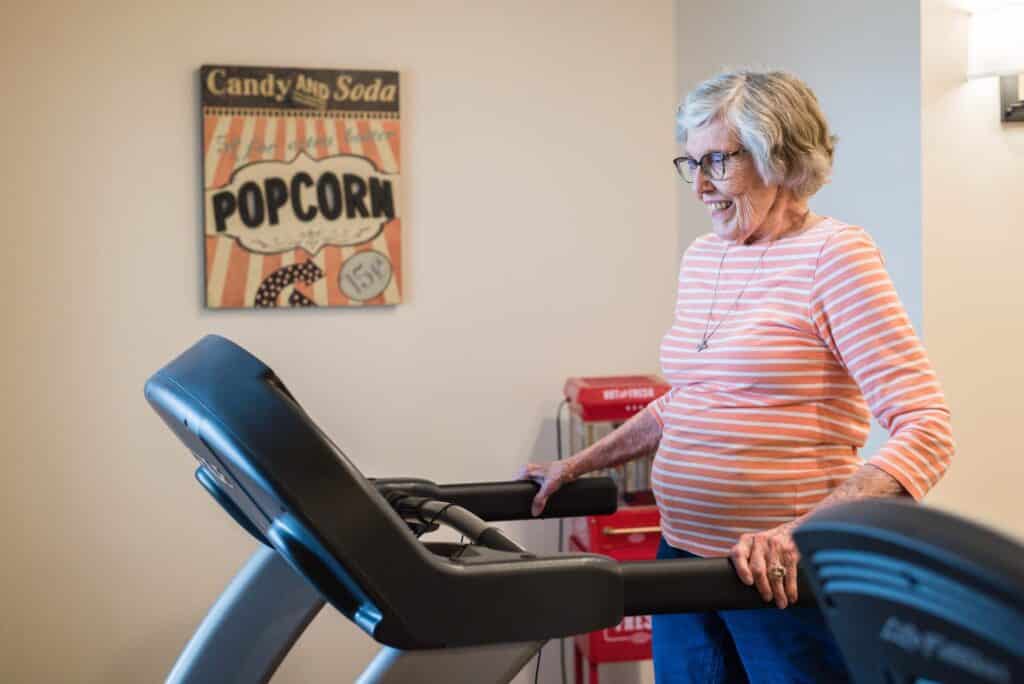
[859, 316]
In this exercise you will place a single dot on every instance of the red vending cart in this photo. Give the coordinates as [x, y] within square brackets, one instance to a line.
[597, 406]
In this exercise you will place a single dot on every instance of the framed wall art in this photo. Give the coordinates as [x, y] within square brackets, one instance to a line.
[301, 173]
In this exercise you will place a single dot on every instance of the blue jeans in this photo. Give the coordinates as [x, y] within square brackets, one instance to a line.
[760, 646]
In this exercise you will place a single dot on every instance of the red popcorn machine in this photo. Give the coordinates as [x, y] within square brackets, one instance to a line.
[597, 406]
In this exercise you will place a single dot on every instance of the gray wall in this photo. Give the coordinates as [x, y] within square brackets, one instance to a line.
[863, 60]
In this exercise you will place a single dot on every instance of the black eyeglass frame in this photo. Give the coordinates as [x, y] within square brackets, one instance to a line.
[707, 164]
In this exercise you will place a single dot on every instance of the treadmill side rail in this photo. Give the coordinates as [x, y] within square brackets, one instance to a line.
[251, 627]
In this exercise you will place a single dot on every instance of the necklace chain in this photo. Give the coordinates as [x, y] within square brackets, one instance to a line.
[706, 337]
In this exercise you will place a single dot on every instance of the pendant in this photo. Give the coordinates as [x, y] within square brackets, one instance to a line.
[702, 346]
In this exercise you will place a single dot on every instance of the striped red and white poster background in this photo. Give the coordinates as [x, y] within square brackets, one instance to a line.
[233, 273]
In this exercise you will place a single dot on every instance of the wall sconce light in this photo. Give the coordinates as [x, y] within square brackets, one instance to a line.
[996, 48]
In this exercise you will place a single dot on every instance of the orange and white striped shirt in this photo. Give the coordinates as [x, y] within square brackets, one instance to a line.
[767, 420]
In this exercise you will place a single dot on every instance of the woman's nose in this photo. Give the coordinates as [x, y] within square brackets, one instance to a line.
[701, 183]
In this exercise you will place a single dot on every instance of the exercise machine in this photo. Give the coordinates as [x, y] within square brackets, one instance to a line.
[917, 596]
[478, 611]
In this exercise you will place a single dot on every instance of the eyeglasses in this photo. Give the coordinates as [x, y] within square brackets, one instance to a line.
[712, 164]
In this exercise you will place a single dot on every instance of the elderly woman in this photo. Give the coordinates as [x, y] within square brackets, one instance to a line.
[787, 331]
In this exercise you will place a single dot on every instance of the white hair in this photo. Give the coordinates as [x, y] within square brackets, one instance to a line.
[777, 119]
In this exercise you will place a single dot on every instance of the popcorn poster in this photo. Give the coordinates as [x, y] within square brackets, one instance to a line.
[300, 180]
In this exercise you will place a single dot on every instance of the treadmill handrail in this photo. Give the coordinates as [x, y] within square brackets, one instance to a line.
[693, 585]
[511, 500]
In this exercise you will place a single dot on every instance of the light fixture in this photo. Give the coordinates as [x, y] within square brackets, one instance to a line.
[996, 48]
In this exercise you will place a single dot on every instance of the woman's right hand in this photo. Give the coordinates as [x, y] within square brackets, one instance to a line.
[550, 476]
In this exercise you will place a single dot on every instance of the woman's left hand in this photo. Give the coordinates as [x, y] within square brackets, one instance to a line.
[768, 560]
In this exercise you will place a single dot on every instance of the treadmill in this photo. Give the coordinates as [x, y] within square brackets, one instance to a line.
[478, 611]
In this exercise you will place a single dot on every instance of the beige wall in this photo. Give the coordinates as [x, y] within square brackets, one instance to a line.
[539, 212]
[539, 208]
[973, 166]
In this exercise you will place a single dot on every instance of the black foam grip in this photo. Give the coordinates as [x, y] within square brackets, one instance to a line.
[512, 500]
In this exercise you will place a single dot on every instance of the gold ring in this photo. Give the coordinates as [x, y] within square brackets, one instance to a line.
[777, 572]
